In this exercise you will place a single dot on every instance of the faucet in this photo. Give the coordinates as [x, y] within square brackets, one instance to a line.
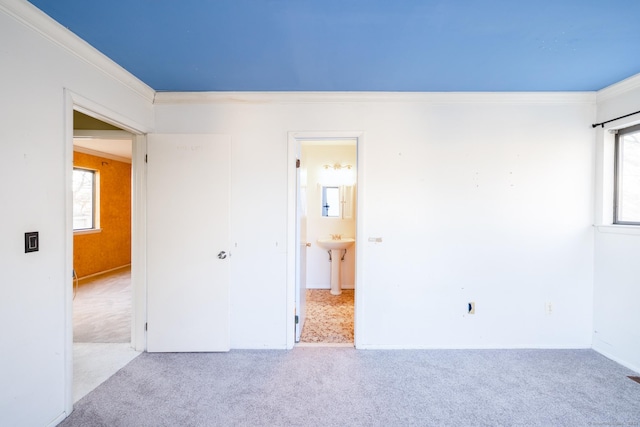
[336, 237]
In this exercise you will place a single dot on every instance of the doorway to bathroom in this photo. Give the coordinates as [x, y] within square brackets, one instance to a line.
[326, 222]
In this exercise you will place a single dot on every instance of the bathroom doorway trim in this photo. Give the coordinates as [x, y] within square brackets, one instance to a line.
[294, 143]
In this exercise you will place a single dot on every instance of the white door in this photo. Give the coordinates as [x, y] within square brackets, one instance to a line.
[301, 257]
[188, 193]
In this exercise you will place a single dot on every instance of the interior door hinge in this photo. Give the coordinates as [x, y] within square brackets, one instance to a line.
[297, 163]
[145, 326]
[297, 319]
[145, 158]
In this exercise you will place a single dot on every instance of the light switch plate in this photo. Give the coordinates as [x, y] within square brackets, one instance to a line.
[31, 242]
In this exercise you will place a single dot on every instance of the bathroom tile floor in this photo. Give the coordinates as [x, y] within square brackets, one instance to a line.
[329, 318]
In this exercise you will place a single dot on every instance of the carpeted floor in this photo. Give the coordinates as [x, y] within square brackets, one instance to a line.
[102, 308]
[320, 386]
[329, 318]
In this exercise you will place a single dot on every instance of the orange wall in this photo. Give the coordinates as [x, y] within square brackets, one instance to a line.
[111, 248]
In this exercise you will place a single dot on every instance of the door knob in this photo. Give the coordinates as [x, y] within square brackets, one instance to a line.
[222, 255]
[308, 245]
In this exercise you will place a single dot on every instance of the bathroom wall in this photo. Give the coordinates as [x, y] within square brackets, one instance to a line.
[111, 247]
[314, 157]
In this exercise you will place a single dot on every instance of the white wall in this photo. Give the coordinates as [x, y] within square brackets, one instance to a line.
[617, 270]
[34, 169]
[477, 197]
[319, 227]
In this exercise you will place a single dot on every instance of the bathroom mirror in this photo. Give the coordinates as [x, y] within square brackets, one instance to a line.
[337, 201]
[331, 202]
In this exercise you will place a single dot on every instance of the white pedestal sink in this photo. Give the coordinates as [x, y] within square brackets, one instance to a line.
[337, 248]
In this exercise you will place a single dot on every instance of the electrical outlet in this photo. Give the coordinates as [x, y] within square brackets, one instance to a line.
[471, 308]
[548, 308]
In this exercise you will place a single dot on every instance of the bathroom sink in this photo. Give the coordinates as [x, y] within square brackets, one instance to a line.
[331, 244]
[335, 245]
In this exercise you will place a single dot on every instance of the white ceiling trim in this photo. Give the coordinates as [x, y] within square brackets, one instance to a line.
[29, 15]
[167, 98]
[102, 134]
[620, 88]
[100, 154]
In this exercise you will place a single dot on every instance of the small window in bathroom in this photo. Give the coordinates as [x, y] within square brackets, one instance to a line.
[331, 202]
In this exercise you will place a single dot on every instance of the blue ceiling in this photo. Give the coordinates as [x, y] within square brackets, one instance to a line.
[362, 45]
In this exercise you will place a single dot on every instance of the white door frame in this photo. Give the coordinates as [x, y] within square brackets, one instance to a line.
[294, 140]
[73, 101]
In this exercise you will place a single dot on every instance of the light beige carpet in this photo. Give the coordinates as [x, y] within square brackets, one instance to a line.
[102, 308]
[329, 318]
[337, 387]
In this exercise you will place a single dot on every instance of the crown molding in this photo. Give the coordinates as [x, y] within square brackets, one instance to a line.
[102, 154]
[167, 98]
[102, 134]
[620, 88]
[32, 17]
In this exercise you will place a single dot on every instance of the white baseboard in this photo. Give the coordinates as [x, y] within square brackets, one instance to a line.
[617, 359]
[467, 347]
[58, 419]
[327, 287]
[104, 272]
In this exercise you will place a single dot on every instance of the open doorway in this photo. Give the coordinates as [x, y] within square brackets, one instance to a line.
[102, 286]
[326, 227]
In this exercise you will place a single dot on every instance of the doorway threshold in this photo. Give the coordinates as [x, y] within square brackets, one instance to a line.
[325, 344]
[94, 363]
